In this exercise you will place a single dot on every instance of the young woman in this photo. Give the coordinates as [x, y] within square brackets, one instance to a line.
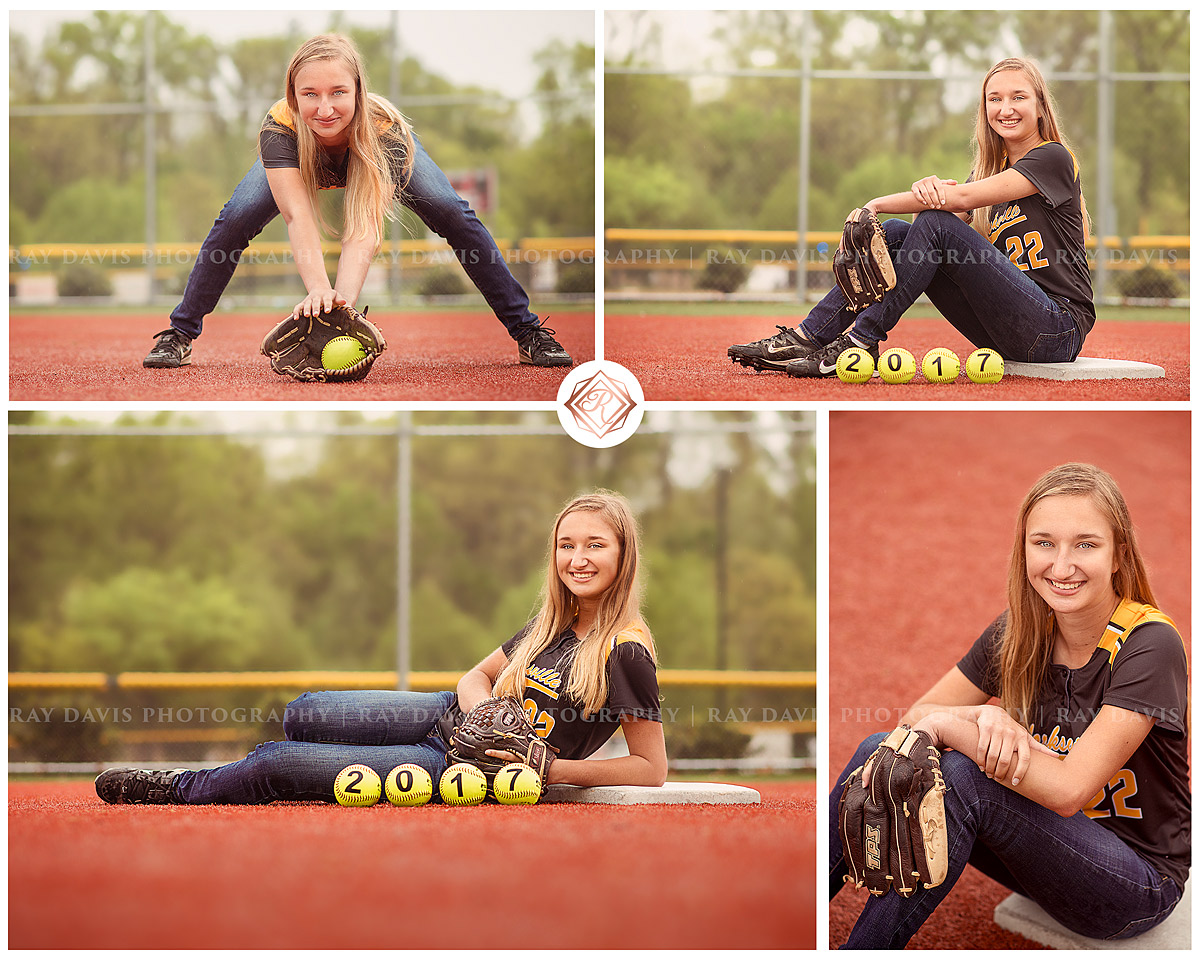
[1020, 285]
[584, 666]
[1072, 790]
[330, 133]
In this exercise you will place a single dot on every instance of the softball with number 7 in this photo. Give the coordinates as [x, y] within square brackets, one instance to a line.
[517, 783]
[985, 366]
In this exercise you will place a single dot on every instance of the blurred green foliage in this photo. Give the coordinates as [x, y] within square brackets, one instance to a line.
[698, 150]
[80, 178]
[235, 552]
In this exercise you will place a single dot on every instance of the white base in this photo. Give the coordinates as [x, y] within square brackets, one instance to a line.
[1086, 368]
[669, 792]
[1023, 916]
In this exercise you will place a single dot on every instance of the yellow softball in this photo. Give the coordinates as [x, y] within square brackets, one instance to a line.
[462, 785]
[408, 785]
[985, 366]
[357, 786]
[517, 783]
[940, 365]
[855, 365]
[897, 365]
[341, 353]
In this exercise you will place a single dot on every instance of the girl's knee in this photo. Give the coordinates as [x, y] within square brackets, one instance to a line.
[299, 714]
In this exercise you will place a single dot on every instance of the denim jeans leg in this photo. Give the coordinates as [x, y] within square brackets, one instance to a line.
[1081, 873]
[243, 218]
[325, 732]
[832, 317]
[977, 288]
[431, 197]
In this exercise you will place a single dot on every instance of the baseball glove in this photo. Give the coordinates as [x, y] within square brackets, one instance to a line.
[861, 266]
[498, 724]
[893, 831]
[297, 344]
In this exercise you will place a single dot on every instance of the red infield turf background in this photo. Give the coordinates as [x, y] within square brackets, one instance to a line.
[922, 508]
[684, 358]
[434, 355]
[317, 876]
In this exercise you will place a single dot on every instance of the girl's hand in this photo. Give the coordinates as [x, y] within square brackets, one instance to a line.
[931, 191]
[317, 302]
[1004, 746]
[504, 755]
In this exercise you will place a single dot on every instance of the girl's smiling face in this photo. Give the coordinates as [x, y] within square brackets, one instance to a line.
[1012, 107]
[325, 96]
[1071, 555]
[587, 555]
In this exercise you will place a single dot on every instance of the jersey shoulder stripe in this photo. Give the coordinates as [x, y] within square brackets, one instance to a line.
[636, 632]
[1128, 616]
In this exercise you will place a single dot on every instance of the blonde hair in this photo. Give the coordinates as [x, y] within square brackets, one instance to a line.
[990, 155]
[1028, 636]
[619, 608]
[371, 184]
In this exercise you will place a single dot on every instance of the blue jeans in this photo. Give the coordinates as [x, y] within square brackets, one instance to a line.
[326, 732]
[983, 294]
[428, 194]
[1082, 874]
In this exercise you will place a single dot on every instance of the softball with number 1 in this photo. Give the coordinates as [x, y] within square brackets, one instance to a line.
[340, 353]
[357, 786]
[855, 365]
[985, 366]
[940, 365]
[517, 783]
[897, 365]
[408, 785]
[462, 785]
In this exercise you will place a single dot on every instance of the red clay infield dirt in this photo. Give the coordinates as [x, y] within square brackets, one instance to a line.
[433, 355]
[317, 876]
[680, 357]
[922, 508]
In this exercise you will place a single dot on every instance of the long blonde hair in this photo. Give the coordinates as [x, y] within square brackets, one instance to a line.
[1028, 637]
[619, 608]
[371, 185]
[990, 155]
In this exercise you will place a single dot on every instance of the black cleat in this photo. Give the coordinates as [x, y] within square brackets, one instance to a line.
[174, 349]
[773, 353]
[536, 345]
[127, 785]
[822, 362]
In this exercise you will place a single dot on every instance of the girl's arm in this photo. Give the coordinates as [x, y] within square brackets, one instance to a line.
[1063, 784]
[476, 684]
[292, 199]
[1003, 187]
[646, 765]
[353, 265]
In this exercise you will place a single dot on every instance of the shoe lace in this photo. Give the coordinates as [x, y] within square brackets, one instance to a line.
[785, 336]
[540, 333]
[168, 337]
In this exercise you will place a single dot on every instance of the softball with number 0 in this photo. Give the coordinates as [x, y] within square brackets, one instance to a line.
[341, 353]
[517, 783]
[357, 786]
[408, 785]
[462, 785]
[897, 365]
[985, 366]
[855, 365]
[940, 365]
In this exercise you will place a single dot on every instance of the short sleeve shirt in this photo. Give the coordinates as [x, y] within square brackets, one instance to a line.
[1148, 802]
[561, 720]
[1042, 234]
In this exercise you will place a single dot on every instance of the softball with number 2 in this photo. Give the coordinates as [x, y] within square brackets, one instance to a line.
[462, 785]
[855, 365]
[357, 786]
[517, 783]
[985, 366]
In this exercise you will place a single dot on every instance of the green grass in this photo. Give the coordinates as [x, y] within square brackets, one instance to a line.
[797, 311]
[543, 307]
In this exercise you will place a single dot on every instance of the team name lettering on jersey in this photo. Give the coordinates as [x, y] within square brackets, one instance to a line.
[545, 679]
[1012, 214]
[1056, 741]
